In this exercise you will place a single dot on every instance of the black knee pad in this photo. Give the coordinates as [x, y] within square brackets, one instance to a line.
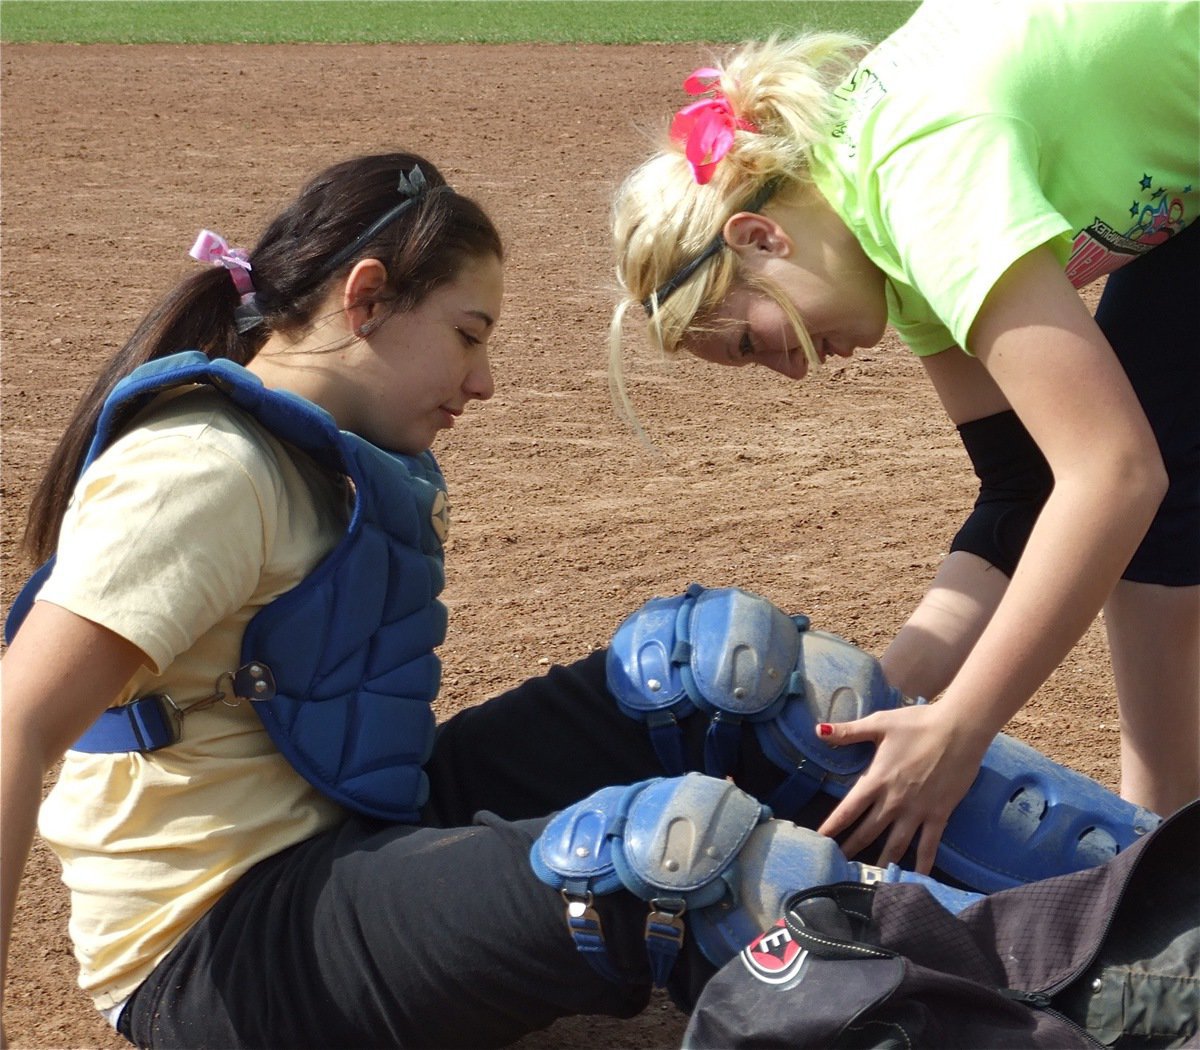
[1014, 483]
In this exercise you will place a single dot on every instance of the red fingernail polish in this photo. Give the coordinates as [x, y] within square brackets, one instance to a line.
[824, 729]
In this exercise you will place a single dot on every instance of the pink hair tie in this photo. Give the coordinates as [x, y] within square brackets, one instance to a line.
[211, 248]
[706, 128]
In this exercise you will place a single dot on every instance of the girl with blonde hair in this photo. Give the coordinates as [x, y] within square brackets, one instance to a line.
[960, 182]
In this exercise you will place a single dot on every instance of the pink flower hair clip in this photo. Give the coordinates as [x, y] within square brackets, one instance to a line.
[212, 248]
[706, 128]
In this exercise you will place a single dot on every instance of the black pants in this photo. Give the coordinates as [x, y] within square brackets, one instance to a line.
[436, 936]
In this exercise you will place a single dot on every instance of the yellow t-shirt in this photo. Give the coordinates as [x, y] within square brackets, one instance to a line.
[177, 535]
[983, 129]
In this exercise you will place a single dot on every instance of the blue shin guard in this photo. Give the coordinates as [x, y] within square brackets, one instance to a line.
[734, 658]
[694, 847]
[1027, 817]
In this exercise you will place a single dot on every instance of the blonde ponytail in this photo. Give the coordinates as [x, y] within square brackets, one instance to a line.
[663, 220]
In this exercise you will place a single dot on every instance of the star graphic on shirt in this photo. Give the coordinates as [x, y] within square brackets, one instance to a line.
[1133, 208]
[1146, 180]
[1159, 192]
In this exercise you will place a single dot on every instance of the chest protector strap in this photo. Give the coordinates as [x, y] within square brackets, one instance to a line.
[351, 648]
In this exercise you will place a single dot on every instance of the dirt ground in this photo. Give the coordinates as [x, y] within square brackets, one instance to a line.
[835, 497]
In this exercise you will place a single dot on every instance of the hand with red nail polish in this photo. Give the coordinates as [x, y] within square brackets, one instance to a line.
[923, 765]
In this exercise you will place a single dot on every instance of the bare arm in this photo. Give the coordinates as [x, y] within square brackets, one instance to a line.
[60, 673]
[930, 648]
[1040, 345]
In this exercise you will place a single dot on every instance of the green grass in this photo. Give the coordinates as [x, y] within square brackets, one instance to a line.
[434, 21]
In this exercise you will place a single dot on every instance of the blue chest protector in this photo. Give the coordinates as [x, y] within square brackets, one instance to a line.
[341, 669]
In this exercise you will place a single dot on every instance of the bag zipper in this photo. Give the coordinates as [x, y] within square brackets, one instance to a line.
[1041, 1001]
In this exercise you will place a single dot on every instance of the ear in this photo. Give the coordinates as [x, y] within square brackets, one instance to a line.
[365, 285]
[748, 232]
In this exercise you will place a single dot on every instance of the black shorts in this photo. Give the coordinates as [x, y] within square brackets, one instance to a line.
[1150, 313]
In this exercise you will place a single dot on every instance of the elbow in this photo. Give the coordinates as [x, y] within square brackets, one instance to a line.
[1149, 477]
[1129, 479]
[1138, 478]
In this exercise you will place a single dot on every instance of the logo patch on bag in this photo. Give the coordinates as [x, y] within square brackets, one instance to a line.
[774, 958]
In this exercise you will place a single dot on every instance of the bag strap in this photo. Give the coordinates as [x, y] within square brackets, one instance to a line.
[854, 901]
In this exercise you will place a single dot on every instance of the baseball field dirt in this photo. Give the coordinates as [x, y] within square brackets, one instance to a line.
[835, 497]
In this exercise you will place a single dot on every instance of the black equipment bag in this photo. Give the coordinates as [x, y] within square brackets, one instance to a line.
[1104, 957]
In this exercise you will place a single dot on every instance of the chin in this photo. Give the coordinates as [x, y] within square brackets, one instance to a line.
[402, 446]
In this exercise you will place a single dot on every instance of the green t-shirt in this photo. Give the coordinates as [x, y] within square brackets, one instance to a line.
[983, 129]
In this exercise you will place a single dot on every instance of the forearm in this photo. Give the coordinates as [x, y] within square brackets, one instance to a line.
[1084, 537]
[21, 778]
[61, 671]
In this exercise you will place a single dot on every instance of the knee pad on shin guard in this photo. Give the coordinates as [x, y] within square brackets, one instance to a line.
[691, 846]
[724, 652]
[735, 658]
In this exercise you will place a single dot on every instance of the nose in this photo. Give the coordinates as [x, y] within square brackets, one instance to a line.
[479, 383]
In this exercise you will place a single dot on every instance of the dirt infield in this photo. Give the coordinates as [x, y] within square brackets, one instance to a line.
[835, 497]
